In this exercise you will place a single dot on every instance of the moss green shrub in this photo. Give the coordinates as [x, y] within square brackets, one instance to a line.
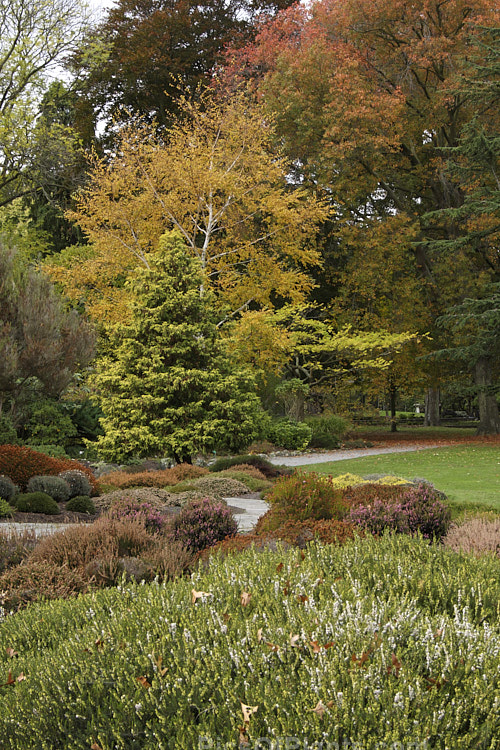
[77, 481]
[7, 488]
[285, 433]
[327, 430]
[81, 504]
[37, 502]
[266, 467]
[5, 509]
[56, 487]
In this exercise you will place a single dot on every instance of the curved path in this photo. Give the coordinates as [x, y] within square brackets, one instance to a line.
[305, 459]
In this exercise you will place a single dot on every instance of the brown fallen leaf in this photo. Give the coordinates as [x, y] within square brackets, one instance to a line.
[247, 712]
[195, 595]
[302, 598]
[245, 598]
[144, 682]
[11, 653]
[95, 746]
[243, 740]
[272, 646]
[259, 635]
[20, 677]
[293, 640]
[315, 646]
[280, 567]
[319, 709]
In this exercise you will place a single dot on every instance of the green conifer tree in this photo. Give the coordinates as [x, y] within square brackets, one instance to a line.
[167, 387]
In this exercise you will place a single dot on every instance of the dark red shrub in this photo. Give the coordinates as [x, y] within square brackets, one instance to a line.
[20, 463]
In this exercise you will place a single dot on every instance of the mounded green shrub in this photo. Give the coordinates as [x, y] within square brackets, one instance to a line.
[56, 487]
[266, 467]
[327, 430]
[77, 481]
[7, 488]
[81, 504]
[37, 502]
[383, 643]
[285, 433]
[5, 509]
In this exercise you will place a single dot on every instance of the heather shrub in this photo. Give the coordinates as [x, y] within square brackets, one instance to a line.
[20, 463]
[288, 434]
[266, 467]
[158, 498]
[202, 523]
[222, 486]
[251, 471]
[37, 502]
[7, 488]
[253, 484]
[78, 482]
[15, 546]
[369, 493]
[81, 504]
[35, 580]
[327, 430]
[301, 497]
[415, 509]
[56, 487]
[5, 509]
[163, 478]
[128, 508]
[478, 536]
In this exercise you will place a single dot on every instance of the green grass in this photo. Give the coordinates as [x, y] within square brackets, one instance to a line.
[469, 475]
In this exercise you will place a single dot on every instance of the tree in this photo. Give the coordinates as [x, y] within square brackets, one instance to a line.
[367, 102]
[214, 178]
[475, 329]
[34, 36]
[42, 343]
[147, 49]
[167, 387]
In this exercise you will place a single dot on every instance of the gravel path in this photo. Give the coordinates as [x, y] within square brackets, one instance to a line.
[305, 459]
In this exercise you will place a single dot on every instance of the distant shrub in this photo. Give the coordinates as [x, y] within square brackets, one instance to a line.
[252, 483]
[327, 430]
[49, 449]
[252, 471]
[15, 546]
[20, 463]
[302, 497]
[81, 504]
[285, 433]
[78, 482]
[8, 433]
[5, 509]
[37, 502]
[202, 523]
[370, 492]
[266, 467]
[163, 478]
[56, 487]
[128, 508]
[220, 485]
[478, 536]
[7, 488]
[415, 509]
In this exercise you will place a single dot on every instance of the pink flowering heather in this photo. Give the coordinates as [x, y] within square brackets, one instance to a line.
[143, 511]
[417, 508]
[202, 523]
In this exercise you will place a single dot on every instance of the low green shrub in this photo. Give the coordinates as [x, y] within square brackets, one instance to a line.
[81, 504]
[37, 502]
[301, 497]
[202, 523]
[285, 433]
[7, 488]
[56, 487]
[5, 509]
[389, 642]
[77, 481]
[226, 462]
[253, 484]
[327, 430]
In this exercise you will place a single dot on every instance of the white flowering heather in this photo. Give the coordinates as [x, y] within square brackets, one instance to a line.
[382, 643]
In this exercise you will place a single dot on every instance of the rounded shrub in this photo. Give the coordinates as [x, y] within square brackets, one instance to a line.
[302, 497]
[37, 502]
[56, 487]
[130, 508]
[202, 523]
[7, 488]
[327, 430]
[290, 435]
[20, 463]
[5, 510]
[78, 482]
[81, 504]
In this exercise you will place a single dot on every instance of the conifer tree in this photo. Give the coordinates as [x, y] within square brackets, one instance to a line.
[167, 387]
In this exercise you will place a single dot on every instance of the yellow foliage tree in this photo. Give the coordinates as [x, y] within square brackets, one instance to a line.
[215, 178]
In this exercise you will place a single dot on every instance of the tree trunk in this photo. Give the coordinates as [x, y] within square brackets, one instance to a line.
[432, 418]
[489, 418]
[392, 395]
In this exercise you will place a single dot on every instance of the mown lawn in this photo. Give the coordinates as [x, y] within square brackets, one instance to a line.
[469, 475]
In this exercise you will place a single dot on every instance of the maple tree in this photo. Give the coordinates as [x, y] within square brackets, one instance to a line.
[214, 178]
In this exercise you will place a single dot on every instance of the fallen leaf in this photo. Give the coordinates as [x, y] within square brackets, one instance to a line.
[293, 640]
[245, 598]
[20, 677]
[195, 595]
[396, 665]
[143, 681]
[302, 598]
[226, 617]
[272, 646]
[280, 567]
[11, 653]
[99, 643]
[329, 644]
[95, 746]
[247, 712]
[259, 635]
[243, 740]
[315, 646]
[319, 709]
